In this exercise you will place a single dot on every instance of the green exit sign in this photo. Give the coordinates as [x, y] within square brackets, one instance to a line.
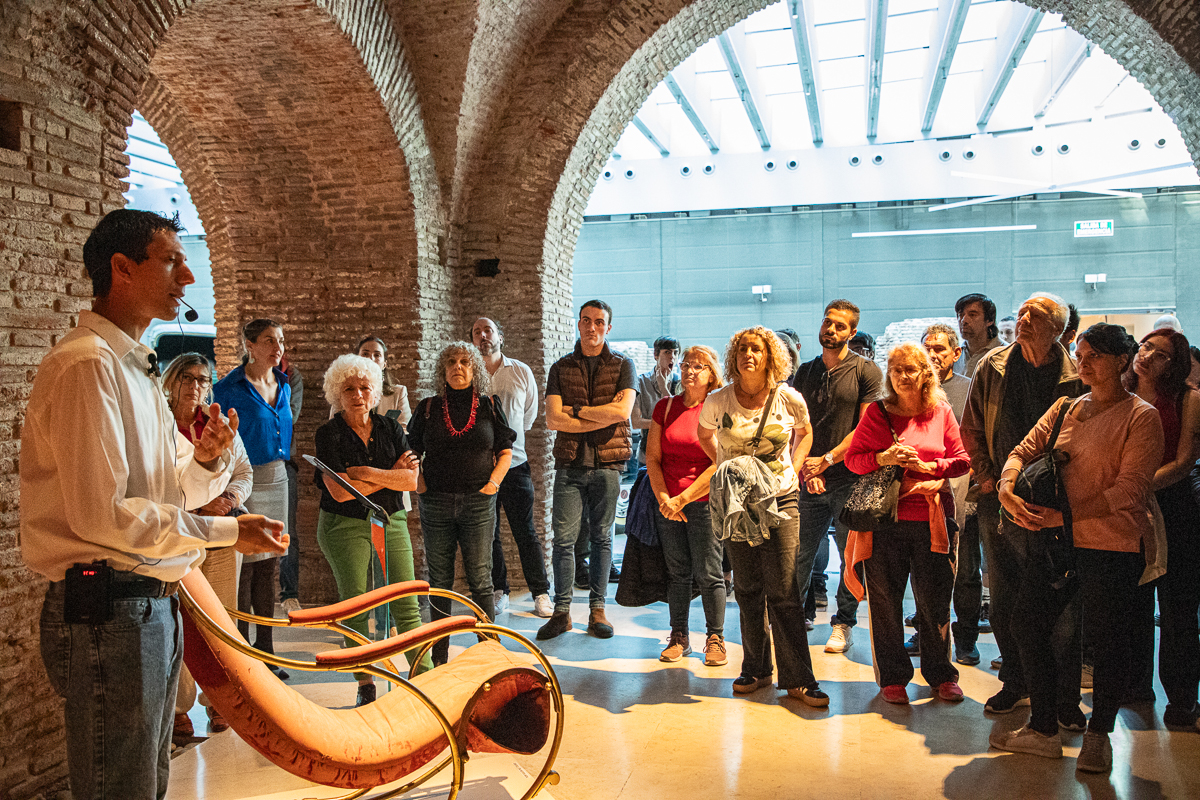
[1088, 228]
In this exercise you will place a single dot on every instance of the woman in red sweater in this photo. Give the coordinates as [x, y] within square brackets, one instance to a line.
[919, 543]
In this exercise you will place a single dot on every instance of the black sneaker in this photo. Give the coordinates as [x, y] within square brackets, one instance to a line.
[366, 694]
[614, 574]
[1071, 718]
[822, 600]
[1005, 702]
[582, 579]
[967, 654]
[1176, 717]
[985, 626]
[913, 645]
[558, 624]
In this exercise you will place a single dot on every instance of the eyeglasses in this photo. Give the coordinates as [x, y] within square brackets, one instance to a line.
[907, 372]
[686, 367]
[202, 381]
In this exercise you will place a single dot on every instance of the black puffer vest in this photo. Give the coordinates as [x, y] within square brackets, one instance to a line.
[614, 443]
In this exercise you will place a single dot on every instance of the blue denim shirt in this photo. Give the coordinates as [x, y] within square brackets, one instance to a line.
[266, 431]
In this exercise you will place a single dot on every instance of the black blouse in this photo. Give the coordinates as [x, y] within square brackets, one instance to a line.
[339, 447]
[459, 464]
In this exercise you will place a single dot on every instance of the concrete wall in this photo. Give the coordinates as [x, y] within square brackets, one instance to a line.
[692, 277]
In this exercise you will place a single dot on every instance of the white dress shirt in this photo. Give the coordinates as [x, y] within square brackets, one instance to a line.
[513, 383]
[105, 474]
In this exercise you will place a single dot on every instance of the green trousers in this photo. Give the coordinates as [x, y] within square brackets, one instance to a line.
[346, 543]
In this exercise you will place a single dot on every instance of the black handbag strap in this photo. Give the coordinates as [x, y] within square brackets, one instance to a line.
[1062, 413]
[762, 423]
[888, 419]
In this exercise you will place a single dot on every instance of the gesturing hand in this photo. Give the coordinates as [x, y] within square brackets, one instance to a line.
[218, 435]
[259, 534]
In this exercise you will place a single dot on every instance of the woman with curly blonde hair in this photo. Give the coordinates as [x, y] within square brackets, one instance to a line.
[756, 363]
[465, 445]
[913, 427]
[371, 451]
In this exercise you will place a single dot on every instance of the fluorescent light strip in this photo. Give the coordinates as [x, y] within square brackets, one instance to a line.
[937, 231]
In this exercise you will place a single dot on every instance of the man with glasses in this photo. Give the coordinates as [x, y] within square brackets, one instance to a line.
[837, 386]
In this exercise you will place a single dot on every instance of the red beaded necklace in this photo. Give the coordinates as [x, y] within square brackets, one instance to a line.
[470, 420]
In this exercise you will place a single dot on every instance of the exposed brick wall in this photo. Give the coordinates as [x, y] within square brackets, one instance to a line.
[303, 190]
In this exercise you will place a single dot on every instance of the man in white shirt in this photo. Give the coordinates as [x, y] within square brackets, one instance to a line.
[514, 384]
[105, 477]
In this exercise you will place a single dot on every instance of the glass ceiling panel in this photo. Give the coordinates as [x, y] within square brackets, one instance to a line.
[896, 7]
[845, 116]
[900, 107]
[736, 133]
[841, 40]
[907, 31]
[784, 79]
[839, 11]
[789, 123]
[983, 20]
[841, 73]
[772, 17]
[904, 66]
[772, 48]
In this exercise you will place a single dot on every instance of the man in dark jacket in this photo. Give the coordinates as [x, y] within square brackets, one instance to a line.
[589, 396]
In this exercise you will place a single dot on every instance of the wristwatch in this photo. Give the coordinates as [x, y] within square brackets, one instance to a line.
[829, 459]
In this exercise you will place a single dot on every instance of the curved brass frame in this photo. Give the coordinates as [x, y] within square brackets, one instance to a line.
[456, 757]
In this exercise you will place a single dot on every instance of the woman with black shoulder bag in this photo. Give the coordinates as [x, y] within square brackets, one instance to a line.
[1112, 441]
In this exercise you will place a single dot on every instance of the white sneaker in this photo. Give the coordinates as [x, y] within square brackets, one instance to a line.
[840, 639]
[290, 605]
[1027, 740]
[542, 607]
[501, 603]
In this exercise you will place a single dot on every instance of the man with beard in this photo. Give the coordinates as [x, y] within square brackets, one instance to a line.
[837, 386]
[514, 384]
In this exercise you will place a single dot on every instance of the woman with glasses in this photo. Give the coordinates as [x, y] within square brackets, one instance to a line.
[919, 544]
[1159, 376]
[679, 471]
[187, 382]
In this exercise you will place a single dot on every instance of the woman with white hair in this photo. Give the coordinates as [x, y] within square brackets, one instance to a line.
[372, 453]
[466, 448]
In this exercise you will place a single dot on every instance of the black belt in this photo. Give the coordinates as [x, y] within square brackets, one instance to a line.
[126, 584]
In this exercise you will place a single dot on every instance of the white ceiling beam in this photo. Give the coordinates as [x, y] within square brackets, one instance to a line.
[877, 11]
[740, 63]
[1066, 58]
[684, 97]
[951, 16]
[1011, 45]
[647, 123]
[801, 14]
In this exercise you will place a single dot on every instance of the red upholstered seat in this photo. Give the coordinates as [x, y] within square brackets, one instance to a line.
[493, 697]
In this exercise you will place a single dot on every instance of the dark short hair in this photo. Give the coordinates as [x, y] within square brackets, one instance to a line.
[989, 310]
[599, 305]
[666, 343]
[845, 305]
[125, 231]
[1072, 318]
[864, 340]
[1111, 340]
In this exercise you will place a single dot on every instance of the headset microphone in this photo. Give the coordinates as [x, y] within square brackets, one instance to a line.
[191, 315]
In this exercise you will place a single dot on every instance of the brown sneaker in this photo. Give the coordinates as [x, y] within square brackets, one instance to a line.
[558, 624]
[677, 647]
[714, 651]
[598, 624]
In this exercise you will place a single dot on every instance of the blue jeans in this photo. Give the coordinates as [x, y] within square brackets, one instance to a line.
[119, 680]
[450, 521]
[693, 551]
[767, 581]
[574, 489]
[816, 512]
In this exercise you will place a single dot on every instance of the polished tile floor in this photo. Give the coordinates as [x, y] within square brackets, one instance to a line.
[639, 729]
